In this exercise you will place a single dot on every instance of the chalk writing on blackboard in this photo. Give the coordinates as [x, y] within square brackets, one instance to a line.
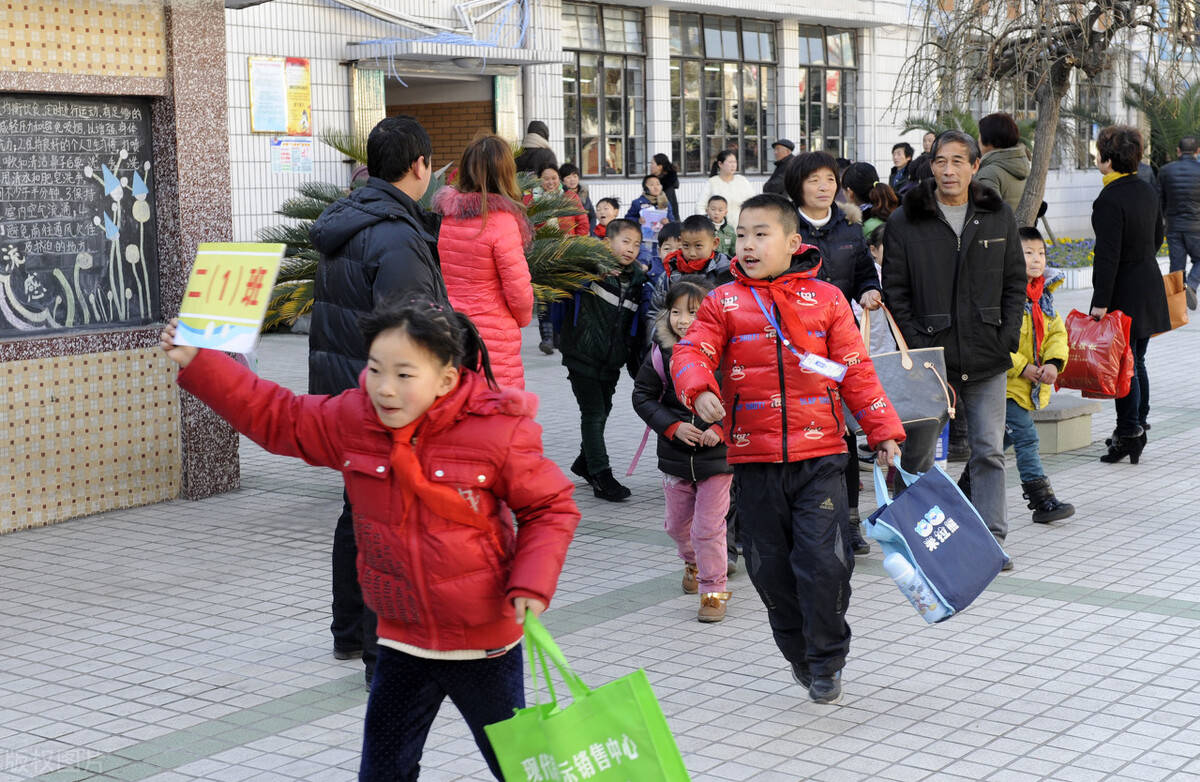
[77, 230]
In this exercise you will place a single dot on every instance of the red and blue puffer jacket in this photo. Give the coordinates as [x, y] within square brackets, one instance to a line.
[776, 410]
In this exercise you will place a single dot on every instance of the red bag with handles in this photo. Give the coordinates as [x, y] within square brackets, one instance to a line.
[1100, 362]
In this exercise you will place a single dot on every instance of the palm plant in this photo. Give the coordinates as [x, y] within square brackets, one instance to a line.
[960, 119]
[558, 264]
[1172, 115]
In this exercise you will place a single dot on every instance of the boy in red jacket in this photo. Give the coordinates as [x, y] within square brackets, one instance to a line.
[788, 350]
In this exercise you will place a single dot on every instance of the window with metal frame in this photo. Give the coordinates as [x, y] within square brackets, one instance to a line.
[1092, 99]
[722, 91]
[604, 89]
[828, 91]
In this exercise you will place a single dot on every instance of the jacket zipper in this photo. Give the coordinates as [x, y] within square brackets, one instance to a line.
[418, 575]
[782, 387]
[957, 264]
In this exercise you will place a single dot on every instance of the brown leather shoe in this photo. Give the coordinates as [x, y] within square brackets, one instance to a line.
[691, 575]
[712, 606]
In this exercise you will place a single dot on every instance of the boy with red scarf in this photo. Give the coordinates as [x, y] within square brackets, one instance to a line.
[1039, 358]
[697, 254]
[788, 351]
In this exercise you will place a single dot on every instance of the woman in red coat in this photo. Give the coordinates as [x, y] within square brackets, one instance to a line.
[482, 245]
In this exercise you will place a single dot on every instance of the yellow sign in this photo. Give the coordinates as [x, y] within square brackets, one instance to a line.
[227, 295]
[298, 78]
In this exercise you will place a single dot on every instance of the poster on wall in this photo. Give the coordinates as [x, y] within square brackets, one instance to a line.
[280, 95]
[291, 155]
[77, 220]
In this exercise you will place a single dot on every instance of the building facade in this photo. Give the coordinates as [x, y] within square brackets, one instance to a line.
[615, 82]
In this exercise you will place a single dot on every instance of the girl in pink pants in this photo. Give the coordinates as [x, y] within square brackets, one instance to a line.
[691, 456]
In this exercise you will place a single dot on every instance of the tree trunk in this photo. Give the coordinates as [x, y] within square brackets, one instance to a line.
[1049, 98]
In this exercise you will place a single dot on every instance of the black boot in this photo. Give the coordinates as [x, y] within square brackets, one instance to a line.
[858, 545]
[1045, 506]
[546, 329]
[606, 487]
[579, 467]
[1125, 445]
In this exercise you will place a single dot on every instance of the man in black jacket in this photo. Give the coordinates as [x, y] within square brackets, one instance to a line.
[1179, 191]
[536, 153]
[782, 149]
[954, 277]
[376, 243]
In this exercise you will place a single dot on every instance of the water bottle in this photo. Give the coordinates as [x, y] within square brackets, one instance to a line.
[941, 451]
[915, 588]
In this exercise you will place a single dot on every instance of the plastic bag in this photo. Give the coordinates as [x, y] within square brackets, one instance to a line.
[1100, 362]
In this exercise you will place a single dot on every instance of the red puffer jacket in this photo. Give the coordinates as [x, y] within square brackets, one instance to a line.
[434, 584]
[775, 410]
[486, 274]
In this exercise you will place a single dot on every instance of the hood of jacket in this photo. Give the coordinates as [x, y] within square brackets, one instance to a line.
[662, 334]
[534, 141]
[1012, 161]
[374, 202]
[920, 202]
[805, 263]
[451, 202]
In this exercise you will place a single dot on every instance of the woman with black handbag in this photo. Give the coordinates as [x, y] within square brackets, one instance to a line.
[1127, 219]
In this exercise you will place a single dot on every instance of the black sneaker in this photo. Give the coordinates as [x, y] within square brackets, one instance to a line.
[802, 675]
[858, 543]
[347, 652]
[606, 487]
[826, 689]
[579, 467]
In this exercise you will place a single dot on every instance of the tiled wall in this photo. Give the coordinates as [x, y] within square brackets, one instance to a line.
[86, 433]
[97, 37]
[451, 126]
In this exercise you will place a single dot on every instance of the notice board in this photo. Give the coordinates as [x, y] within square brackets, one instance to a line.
[77, 226]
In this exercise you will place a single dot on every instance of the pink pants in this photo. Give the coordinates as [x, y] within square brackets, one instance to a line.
[696, 522]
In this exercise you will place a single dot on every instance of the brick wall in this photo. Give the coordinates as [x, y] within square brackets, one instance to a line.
[451, 126]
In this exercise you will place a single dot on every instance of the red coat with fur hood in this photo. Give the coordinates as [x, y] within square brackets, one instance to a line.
[486, 274]
[434, 583]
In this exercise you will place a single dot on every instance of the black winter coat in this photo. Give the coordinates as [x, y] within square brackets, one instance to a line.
[602, 329]
[670, 185]
[845, 260]
[966, 295]
[1125, 273]
[375, 244]
[775, 183]
[657, 405]
[1179, 189]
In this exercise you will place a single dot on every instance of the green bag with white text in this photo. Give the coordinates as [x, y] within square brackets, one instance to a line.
[614, 733]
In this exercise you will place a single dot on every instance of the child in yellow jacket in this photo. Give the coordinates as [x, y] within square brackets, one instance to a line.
[1040, 356]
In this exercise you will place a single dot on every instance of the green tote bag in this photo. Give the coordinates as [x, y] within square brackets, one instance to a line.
[614, 733]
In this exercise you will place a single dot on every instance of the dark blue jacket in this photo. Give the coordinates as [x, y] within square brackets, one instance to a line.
[845, 260]
[375, 244]
[1179, 191]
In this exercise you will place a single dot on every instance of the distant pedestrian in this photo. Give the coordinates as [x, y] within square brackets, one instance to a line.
[536, 153]
[782, 150]
[1125, 275]
[437, 463]
[954, 277]
[927, 142]
[1004, 166]
[902, 155]
[725, 181]
[1179, 187]
[662, 167]
[691, 455]
[569, 174]
[875, 200]
[718, 211]
[482, 244]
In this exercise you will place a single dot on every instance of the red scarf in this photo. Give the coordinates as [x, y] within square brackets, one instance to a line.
[1033, 291]
[676, 262]
[601, 230]
[440, 498]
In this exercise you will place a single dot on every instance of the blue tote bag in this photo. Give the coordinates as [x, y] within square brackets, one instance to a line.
[936, 528]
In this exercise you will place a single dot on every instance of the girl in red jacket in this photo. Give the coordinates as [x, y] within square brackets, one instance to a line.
[482, 245]
[434, 459]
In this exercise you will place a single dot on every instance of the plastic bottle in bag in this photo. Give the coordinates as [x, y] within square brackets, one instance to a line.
[914, 587]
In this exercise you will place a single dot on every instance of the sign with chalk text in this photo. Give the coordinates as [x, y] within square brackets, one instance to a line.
[227, 295]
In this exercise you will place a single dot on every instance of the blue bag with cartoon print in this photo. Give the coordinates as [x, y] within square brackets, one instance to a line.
[937, 530]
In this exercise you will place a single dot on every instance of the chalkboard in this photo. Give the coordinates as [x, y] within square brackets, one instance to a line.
[77, 237]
